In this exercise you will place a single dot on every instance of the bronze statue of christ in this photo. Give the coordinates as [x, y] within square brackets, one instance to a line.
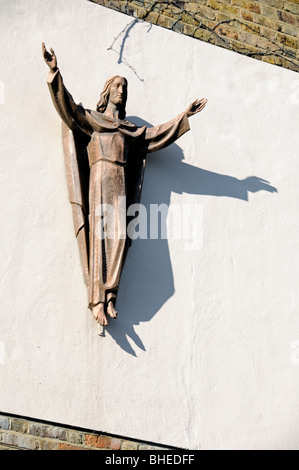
[105, 160]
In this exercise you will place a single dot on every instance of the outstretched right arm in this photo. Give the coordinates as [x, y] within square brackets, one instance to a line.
[73, 115]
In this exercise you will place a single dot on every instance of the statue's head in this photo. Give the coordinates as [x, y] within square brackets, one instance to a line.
[115, 91]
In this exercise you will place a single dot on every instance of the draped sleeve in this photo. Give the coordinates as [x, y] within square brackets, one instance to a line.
[159, 137]
[72, 114]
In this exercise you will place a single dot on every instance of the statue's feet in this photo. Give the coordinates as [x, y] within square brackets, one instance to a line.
[111, 309]
[99, 314]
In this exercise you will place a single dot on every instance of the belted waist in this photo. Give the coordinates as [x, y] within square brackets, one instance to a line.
[109, 161]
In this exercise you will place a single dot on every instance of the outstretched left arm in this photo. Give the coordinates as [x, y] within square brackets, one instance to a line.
[196, 106]
[159, 137]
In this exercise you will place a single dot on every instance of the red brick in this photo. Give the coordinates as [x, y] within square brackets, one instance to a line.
[102, 442]
[251, 6]
[115, 444]
[288, 17]
[246, 15]
[227, 32]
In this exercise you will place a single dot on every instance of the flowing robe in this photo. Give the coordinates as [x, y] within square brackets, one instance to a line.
[116, 151]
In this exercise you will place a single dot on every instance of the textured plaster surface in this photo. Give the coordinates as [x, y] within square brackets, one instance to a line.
[201, 354]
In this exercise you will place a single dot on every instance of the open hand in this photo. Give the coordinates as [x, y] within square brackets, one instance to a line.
[50, 58]
[196, 106]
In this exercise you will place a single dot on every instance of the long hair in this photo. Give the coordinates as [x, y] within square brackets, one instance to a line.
[104, 98]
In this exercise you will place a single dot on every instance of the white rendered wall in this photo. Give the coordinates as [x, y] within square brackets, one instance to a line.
[203, 354]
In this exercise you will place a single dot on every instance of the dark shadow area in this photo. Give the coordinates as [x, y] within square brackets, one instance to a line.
[147, 279]
[126, 36]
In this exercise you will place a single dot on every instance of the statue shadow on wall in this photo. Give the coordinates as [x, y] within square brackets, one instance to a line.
[147, 279]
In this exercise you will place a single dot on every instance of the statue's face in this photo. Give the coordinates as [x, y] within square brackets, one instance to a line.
[118, 91]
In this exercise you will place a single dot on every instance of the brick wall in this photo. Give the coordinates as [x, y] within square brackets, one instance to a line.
[267, 30]
[17, 433]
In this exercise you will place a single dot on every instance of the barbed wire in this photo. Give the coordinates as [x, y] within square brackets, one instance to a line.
[141, 11]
